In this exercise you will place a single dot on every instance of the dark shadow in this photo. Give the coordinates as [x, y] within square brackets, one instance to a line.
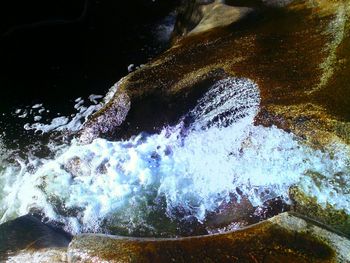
[29, 232]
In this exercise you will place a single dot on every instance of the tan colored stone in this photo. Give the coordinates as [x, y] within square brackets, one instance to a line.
[218, 14]
[298, 55]
[48, 255]
[284, 238]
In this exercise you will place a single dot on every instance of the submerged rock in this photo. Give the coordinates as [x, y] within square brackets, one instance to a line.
[284, 238]
[26, 235]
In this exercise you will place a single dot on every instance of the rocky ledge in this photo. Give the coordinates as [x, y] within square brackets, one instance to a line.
[287, 237]
[298, 52]
[284, 238]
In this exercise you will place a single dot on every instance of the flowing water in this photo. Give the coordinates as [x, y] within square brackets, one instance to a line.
[213, 170]
[172, 183]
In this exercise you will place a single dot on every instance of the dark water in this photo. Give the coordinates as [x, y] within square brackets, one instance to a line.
[52, 52]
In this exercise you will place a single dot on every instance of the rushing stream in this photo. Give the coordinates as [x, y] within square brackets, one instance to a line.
[174, 182]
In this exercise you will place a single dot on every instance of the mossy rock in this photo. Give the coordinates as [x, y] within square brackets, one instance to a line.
[327, 215]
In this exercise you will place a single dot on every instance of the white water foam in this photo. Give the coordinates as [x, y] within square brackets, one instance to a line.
[74, 122]
[195, 168]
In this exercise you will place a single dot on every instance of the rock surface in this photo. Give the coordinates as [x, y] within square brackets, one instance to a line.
[328, 215]
[309, 39]
[219, 15]
[28, 234]
[298, 54]
[199, 16]
[52, 255]
[284, 238]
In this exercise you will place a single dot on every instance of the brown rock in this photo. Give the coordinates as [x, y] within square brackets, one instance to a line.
[284, 238]
[336, 218]
[298, 55]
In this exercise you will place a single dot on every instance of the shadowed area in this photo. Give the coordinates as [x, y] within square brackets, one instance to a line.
[30, 233]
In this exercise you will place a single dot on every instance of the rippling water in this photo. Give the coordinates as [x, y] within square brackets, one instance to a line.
[170, 183]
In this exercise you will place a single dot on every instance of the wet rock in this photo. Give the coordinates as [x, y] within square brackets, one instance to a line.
[284, 238]
[327, 214]
[219, 15]
[112, 117]
[199, 16]
[297, 55]
[51, 255]
[147, 100]
[30, 234]
[277, 3]
[309, 121]
[189, 15]
[230, 215]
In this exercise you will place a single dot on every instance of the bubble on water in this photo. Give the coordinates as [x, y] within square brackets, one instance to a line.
[73, 123]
